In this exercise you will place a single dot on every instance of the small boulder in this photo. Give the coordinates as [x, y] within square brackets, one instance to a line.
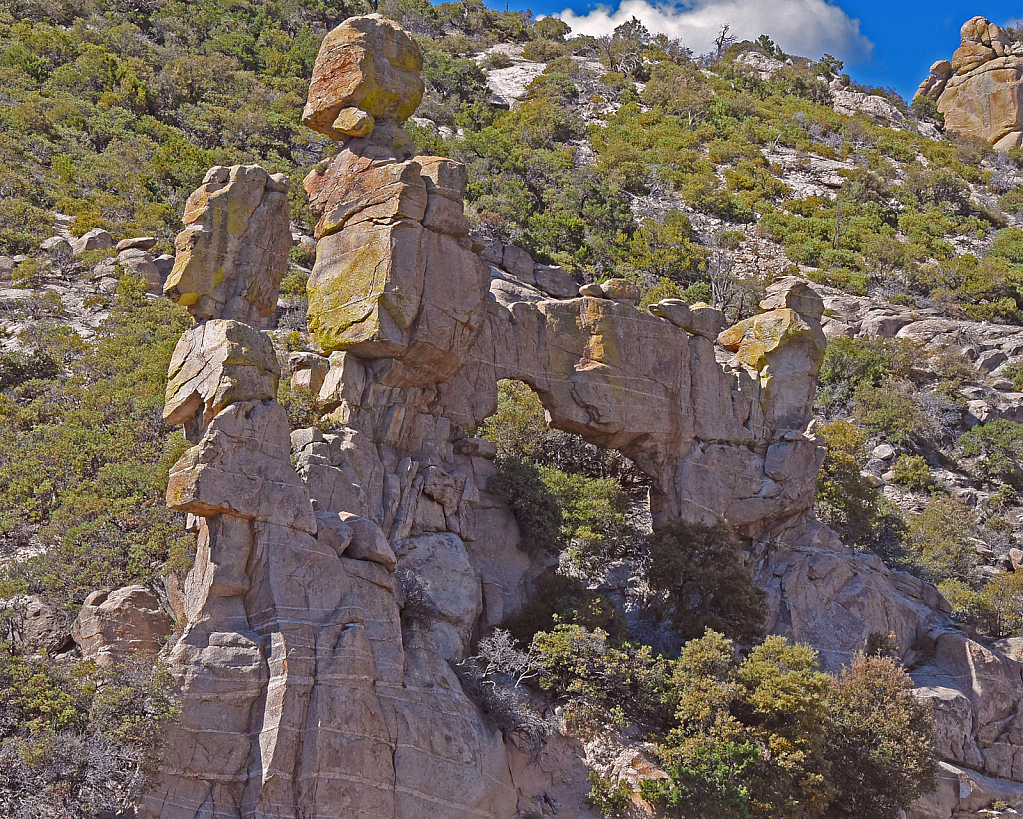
[333, 531]
[705, 320]
[621, 290]
[54, 243]
[113, 626]
[796, 294]
[164, 264]
[142, 263]
[354, 122]
[368, 542]
[990, 359]
[95, 239]
[883, 452]
[593, 290]
[138, 243]
[517, 262]
[555, 281]
[308, 370]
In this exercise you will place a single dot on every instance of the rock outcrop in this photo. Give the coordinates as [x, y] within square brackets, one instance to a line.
[341, 569]
[980, 91]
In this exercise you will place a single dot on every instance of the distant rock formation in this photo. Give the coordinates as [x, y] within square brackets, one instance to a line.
[311, 684]
[980, 92]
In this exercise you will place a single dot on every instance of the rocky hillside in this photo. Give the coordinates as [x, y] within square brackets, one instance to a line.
[528, 383]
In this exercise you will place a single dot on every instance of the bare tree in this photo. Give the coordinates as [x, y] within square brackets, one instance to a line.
[723, 41]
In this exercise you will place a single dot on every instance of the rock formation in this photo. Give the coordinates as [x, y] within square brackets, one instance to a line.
[341, 569]
[980, 92]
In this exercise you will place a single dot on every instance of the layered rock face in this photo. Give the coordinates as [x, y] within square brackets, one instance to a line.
[341, 569]
[980, 92]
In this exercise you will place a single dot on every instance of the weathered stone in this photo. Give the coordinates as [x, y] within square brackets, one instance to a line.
[54, 243]
[141, 263]
[366, 288]
[883, 452]
[442, 566]
[215, 364]
[137, 243]
[234, 248]
[368, 63]
[164, 264]
[368, 542]
[95, 239]
[113, 626]
[353, 122]
[592, 290]
[363, 187]
[241, 468]
[517, 262]
[980, 92]
[796, 294]
[444, 177]
[308, 371]
[621, 290]
[555, 281]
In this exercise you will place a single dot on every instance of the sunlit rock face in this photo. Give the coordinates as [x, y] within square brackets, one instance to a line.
[980, 91]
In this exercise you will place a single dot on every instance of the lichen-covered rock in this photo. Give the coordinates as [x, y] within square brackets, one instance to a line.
[363, 186]
[367, 63]
[621, 290]
[234, 248]
[366, 286]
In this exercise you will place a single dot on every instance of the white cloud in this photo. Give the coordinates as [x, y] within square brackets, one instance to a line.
[808, 28]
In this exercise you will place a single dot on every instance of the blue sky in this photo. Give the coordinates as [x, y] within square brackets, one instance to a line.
[885, 44]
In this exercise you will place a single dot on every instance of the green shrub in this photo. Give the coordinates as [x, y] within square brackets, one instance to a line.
[880, 740]
[78, 738]
[1014, 372]
[612, 799]
[997, 447]
[771, 736]
[941, 539]
[1003, 597]
[84, 454]
[913, 472]
[852, 362]
[519, 423]
[597, 680]
[703, 575]
[969, 605]
[890, 410]
[536, 509]
[592, 515]
[561, 600]
[845, 500]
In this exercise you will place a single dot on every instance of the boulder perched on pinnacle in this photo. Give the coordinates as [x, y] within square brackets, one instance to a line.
[367, 70]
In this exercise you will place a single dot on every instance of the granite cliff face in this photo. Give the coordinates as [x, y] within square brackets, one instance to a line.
[980, 91]
[305, 690]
